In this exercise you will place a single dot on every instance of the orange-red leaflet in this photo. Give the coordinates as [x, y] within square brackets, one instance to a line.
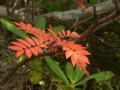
[77, 54]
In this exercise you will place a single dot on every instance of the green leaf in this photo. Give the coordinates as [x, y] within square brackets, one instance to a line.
[78, 74]
[78, 89]
[11, 27]
[40, 22]
[37, 63]
[35, 76]
[58, 29]
[70, 71]
[20, 58]
[57, 70]
[60, 86]
[99, 77]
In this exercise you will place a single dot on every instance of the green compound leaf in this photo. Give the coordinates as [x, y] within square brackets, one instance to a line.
[57, 70]
[78, 74]
[12, 28]
[35, 76]
[99, 77]
[70, 71]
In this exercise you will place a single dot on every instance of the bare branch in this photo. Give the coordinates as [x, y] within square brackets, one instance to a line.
[96, 24]
[16, 66]
[33, 68]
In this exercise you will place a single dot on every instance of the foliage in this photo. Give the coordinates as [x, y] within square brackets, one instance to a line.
[33, 46]
[11, 27]
[35, 76]
[57, 70]
[55, 40]
[52, 39]
[73, 78]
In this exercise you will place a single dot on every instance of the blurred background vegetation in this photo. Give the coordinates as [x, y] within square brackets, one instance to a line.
[104, 44]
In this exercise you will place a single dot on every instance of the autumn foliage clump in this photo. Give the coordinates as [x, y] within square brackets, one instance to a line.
[42, 41]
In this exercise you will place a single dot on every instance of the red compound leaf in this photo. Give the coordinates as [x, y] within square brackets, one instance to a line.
[68, 34]
[24, 42]
[63, 31]
[28, 53]
[19, 44]
[79, 3]
[28, 27]
[29, 46]
[38, 49]
[54, 35]
[34, 51]
[68, 53]
[18, 24]
[33, 46]
[36, 41]
[60, 34]
[74, 34]
[58, 53]
[74, 59]
[21, 26]
[30, 41]
[83, 6]
[19, 53]
[15, 48]
[78, 55]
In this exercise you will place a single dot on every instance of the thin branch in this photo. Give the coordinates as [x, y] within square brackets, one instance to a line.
[33, 68]
[104, 42]
[81, 22]
[16, 66]
[96, 25]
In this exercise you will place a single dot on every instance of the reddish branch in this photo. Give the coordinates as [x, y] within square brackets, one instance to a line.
[96, 25]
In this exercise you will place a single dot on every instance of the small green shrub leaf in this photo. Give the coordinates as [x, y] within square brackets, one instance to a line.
[78, 74]
[70, 71]
[12, 28]
[57, 70]
[99, 77]
[35, 76]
